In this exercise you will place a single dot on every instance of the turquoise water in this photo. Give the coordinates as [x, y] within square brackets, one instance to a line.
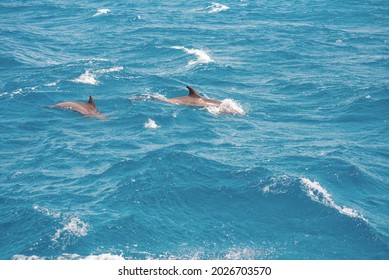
[302, 174]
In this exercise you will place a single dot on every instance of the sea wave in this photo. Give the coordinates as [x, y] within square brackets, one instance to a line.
[286, 185]
[202, 56]
[319, 194]
[230, 253]
[201, 186]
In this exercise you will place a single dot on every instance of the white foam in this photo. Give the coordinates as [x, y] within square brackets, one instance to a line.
[46, 211]
[16, 174]
[217, 7]
[240, 254]
[157, 96]
[17, 91]
[228, 106]
[202, 56]
[53, 84]
[248, 253]
[75, 227]
[101, 12]
[104, 257]
[110, 70]
[232, 253]
[151, 124]
[26, 258]
[87, 78]
[93, 59]
[277, 185]
[71, 257]
[321, 195]
[13, 93]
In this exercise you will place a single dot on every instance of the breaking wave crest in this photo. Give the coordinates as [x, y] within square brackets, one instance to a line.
[202, 56]
[319, 194]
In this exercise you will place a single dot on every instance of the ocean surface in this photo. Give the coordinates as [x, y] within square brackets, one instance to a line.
[301, 173]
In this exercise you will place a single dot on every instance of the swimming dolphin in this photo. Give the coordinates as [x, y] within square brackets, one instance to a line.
[84, 108]
[192, 99]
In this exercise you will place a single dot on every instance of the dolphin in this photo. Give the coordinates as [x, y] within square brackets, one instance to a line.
[84, 108]
[192, 99]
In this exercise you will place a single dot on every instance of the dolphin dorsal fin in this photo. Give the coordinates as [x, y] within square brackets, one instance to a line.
[193, 92]
[91, 102]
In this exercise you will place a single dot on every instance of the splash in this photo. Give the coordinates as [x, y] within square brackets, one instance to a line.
[202, 56]
[217, 7]
[87, 78]
[228, 106]
[319, 194]
[151, 124]
[75, 227]
[101, 12]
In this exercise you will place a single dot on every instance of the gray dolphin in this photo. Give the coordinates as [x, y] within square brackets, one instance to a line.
[84, 108]
[192, 99]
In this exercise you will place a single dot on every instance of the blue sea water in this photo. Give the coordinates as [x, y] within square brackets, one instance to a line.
[302, 174]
